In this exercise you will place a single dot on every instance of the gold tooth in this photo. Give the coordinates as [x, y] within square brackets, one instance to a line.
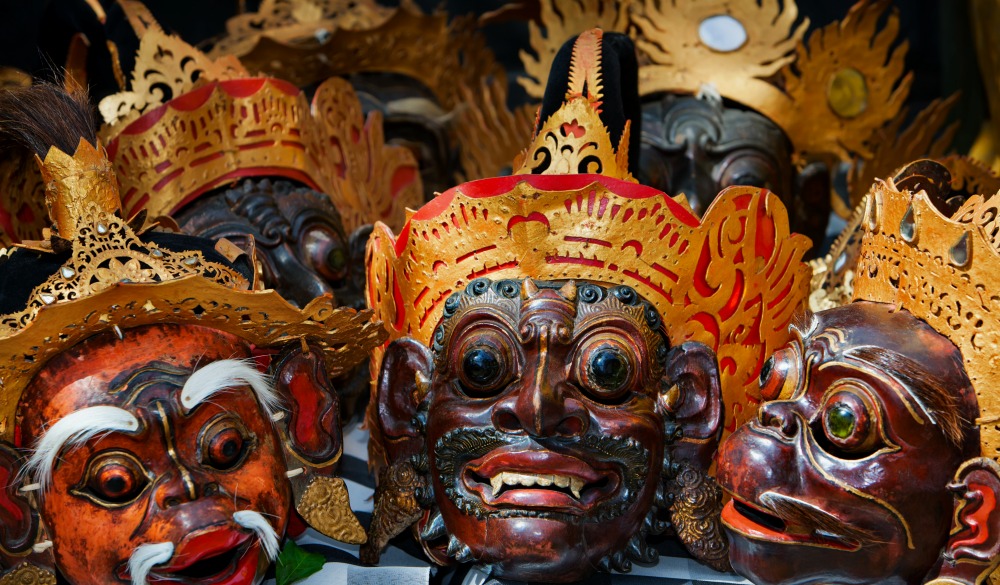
[575, 485]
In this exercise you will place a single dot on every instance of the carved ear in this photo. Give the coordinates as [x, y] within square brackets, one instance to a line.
[973, 549]
[407, 367]
[693, 394]
[18, 521]
[313, 426]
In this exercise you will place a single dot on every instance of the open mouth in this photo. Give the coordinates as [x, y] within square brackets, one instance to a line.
[539, 480]
[216, 557]
[761, 523]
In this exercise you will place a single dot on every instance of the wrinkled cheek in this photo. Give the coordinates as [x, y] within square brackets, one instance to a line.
[73, 522]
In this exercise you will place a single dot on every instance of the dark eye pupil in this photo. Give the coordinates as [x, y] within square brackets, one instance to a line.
[608, 369]
[840, 420]
[226, 448]
[336, 258]
[230, 448]
[481, 366]
[765, 372]
[115, 485]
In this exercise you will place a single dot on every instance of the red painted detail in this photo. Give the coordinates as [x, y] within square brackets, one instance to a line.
[160, 167]
[464, 257]
[573, 128]
[977, 521]
[402, 178]
[635, 245]
[615, 209]
[420, 297]
[397, 301]
[583, 240]
[664, 271]
[202, 146]
[613, 267]
[570, 260]
[709, 324]
[731, 305]
[602, 207]
[766, 232]
[263, 144]
[533, 216]
[10, 512]
[490, 270]
[431, 309]
[438, 265]
[206, 159]
[666, 230]
[646, 281]
[591, 196]
[167, 179]
[701, 272]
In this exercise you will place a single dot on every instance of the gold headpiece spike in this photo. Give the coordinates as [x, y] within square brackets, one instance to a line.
[957, 258]
[528, 289]
[139, 17]
[72, 183]
[585, 69]
[568, 291]
[574, 139]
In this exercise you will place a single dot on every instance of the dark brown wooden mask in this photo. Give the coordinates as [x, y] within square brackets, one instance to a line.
[853, 473]
[545, 426]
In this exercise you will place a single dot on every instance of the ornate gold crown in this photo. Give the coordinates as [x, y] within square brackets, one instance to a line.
[220, 125]
[574, 139]
[306, 41]
[832, 95]
[733, 280]
[114, 280]
[943, 271]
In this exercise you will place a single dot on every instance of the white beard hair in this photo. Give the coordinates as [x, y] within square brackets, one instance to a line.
[266, 533]
[147, 556]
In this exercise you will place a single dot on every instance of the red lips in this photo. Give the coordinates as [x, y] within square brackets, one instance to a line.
[757, 523]
[219, 556]
[539, 479]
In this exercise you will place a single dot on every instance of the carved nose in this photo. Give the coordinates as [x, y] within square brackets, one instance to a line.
[780, 416]
[550, 417]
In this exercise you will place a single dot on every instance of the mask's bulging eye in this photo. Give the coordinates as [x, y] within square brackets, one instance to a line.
[606, 369]
[225, 443]
[779, 376]
[482, 370]
[326, 252]
[114, 479]
[849, 423]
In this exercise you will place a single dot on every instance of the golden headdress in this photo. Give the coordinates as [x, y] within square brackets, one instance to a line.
[833, 94]
[307, 41]
[943, 270]
[190, 124]
[114, 277]
[733, 280]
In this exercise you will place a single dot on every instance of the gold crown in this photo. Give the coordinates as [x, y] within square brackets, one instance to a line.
[829, 94]
[306, 41]
[733, 280]
[574, 139]
[169, 147]
[942, 270]
[113, 279]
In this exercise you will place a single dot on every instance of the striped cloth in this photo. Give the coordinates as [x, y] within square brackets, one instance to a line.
[403, 562]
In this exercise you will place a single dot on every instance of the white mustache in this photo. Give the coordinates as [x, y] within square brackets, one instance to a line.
[147, 556]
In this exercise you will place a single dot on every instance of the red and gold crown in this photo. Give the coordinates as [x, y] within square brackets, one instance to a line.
[942, 270]
[732, 280]
[215, 124]
[833, 94]
[114, 279]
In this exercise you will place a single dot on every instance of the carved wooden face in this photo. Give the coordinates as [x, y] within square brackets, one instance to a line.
[698, 148]
[184, 478]
[547, 444]
[845, 479]
[298, 231]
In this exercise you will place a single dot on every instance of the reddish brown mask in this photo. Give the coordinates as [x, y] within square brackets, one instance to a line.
[543, 414]
[847, 481]
[181, 477]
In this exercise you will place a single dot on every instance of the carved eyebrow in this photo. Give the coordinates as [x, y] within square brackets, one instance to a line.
[73, 430]
[223, 375]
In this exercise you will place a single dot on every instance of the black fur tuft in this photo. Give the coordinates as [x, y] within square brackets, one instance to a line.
[45, 115]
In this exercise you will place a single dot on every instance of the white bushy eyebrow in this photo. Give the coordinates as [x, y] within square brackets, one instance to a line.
[72, 430]
[223, 375]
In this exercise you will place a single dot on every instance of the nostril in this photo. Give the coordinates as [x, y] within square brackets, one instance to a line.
[506, 421]
[171, 502]
[571, 427]
[211, 489]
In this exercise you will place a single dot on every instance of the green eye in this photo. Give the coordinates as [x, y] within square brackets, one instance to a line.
[840, 421]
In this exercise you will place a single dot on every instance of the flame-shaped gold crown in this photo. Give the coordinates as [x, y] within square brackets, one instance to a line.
[216, 124]
[732, 280]
[114, 279]
[574, 139]
[830, 94]
[944, 271]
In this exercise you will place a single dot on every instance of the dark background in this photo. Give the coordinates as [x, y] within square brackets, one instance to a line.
[34, 36]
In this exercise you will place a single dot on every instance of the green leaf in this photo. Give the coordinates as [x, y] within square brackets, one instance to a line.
[295, 564]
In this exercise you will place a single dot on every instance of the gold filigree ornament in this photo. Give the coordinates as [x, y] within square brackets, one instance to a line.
[221, 129]
[448, 57]
[574, 139]
[113, 280]
[733, 280]
[942, 270]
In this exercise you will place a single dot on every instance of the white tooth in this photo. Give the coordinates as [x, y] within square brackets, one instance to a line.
[527, 480]
[497, 482]
[561, 481]
[544, 480]
[575, 485]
